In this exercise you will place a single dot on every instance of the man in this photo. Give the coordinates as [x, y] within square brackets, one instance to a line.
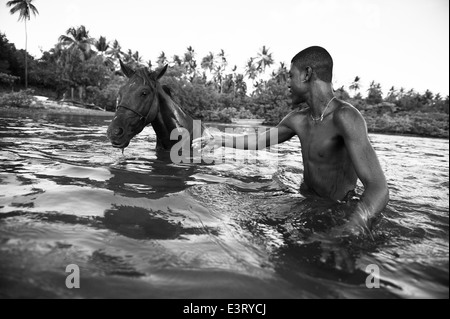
[335, 146]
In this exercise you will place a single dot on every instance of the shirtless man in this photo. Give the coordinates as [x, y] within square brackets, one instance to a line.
[334, 142]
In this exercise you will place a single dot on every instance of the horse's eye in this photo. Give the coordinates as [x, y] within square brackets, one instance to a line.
[144, 93]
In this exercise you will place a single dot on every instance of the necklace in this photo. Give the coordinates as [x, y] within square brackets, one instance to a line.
[320, 118]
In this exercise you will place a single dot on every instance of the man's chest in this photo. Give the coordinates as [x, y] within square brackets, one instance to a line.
[321, 143]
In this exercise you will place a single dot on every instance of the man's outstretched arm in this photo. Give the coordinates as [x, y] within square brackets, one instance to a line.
[365, 161]
[279, 134]
[275, 135]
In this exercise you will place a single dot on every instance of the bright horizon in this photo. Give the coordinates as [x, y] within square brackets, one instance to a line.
[401, 43]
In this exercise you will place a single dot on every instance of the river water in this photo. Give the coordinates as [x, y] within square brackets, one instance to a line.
[139, 226]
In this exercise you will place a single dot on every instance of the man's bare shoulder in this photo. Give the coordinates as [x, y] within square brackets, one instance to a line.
[298, 114]
[348, 119]
[345, 113]
[295, 116]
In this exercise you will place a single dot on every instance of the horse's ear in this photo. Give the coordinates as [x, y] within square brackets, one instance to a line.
[126, 69]
[161, 73]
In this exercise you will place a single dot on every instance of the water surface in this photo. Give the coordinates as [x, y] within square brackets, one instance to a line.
[139, 226]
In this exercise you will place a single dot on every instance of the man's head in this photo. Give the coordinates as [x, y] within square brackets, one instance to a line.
[309, 65]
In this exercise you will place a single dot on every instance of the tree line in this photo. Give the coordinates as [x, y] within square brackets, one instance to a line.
[87, 69]
[80, 67]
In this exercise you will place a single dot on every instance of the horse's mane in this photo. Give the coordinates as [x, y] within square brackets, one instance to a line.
[168, 90]
[146, 75]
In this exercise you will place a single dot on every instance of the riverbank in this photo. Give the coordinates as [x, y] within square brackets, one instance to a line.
[25, 102]
[434, 125]
[420, 124]
[56, 109]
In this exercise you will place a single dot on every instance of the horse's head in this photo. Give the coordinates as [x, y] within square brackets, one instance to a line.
[137, 105]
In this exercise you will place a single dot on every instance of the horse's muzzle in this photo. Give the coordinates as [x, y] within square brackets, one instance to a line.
[117, 137]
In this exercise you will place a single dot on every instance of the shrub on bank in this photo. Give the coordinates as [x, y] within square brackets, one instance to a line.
[23, 99]
[422, 124]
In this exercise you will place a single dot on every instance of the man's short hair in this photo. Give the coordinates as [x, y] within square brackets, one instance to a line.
[318, 59]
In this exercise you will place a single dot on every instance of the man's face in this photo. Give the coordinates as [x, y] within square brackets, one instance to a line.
[297, 88]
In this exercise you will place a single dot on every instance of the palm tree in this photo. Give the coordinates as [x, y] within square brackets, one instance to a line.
[392, 94]
[250, 69]
[208, 65]
[25, 8]
[77, 42]
[401, 92]
[128, 56]
[134, 59]
[162, 59]
[355, 85]
[375, 94]
[102, 45]
[220, 70]
[137, 57]
[189, 59]
[115, 51]
[240, 85]
[177, 60]
[208, 62]
[282, 74]
[190, 63]
[233, 78]
[223, 59]
[264, 59]
[428, 96]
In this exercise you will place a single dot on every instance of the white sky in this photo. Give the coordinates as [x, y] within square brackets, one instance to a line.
[394, 42]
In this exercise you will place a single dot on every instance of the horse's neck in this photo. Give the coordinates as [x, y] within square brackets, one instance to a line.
[170, 117]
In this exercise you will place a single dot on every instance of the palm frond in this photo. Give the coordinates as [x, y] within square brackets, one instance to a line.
[33, 9]
[24, 7]
[13, 2]
[65, 39]
[15, 9]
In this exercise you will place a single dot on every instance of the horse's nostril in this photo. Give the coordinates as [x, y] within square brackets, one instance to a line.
[118, 131]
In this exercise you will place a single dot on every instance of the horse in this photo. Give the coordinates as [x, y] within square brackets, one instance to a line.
[143, 101]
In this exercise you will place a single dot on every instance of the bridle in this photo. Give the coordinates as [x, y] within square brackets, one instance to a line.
[141, 117]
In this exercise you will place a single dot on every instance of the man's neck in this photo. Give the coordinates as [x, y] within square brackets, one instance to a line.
[321, 94]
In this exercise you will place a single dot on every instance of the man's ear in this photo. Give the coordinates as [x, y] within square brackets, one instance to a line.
[161, 73]
[308, 74]
[126, 69]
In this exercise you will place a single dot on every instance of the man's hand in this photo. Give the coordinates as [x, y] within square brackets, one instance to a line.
[208, 141]
[358, 225]
[334, 252]
[332, 242]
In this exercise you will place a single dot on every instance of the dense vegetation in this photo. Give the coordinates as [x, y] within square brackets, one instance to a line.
[81, 68]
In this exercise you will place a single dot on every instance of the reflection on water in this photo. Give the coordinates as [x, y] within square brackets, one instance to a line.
[138, 225]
